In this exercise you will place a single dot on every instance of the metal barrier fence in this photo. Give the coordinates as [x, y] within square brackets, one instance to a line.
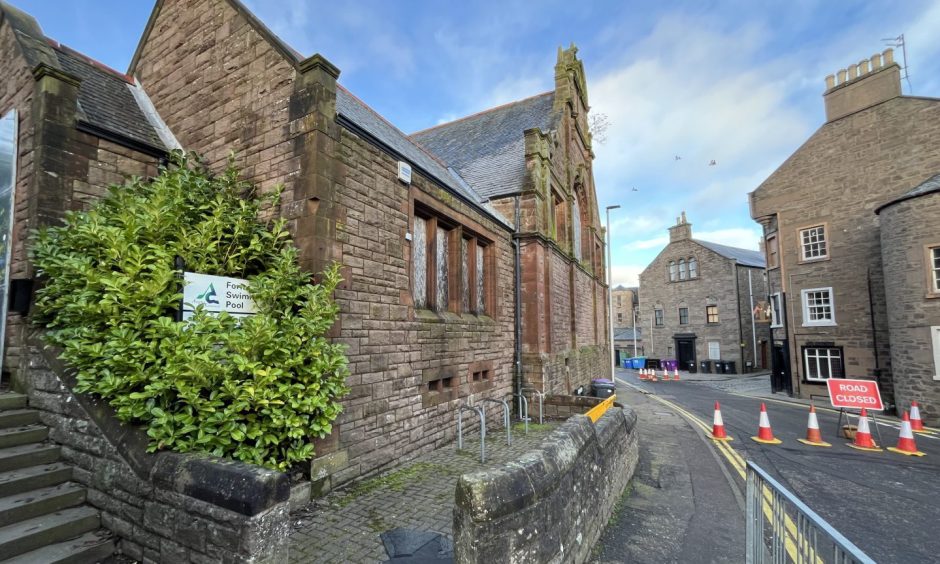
[797, 533]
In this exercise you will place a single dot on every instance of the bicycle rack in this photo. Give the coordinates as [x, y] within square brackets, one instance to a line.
[506, 419]
[523, 410]
[541, 396]
[479, 411]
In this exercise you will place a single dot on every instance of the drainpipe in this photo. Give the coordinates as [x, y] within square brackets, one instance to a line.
[750, 293]
[737, 298]
[517, 274]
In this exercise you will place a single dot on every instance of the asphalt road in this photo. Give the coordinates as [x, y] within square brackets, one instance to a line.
[886, 503]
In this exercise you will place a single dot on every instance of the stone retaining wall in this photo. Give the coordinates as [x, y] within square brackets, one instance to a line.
[552, 504]
[165, 507]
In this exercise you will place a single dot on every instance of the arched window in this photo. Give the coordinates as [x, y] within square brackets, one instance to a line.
[672, 271]
[576, 228]
[693, 268]
[682, 272]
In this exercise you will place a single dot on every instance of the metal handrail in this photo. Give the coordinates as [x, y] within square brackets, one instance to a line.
[767, 498]
[479, 411]
[541, 395]
[506, 417]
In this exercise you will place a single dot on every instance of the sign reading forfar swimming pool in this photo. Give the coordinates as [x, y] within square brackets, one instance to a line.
[216, 294]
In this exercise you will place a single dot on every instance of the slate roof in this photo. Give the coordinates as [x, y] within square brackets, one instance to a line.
[488, 148]
[744, 257]
[929, 186]
[626, 333]
[104, 97]
[367, 119]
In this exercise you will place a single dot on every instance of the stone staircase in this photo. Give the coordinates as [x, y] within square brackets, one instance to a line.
[43, 515]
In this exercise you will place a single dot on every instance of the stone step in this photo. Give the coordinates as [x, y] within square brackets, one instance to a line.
[23, 456]
[33, 478]
[18, 417]
[48, 529]
[90, 547]
[13, 436]
[11, 400]
[29, 504]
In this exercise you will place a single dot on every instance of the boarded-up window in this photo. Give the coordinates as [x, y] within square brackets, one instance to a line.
[467, 276]
[419, 251]
[481, 295]
[442, 269]
[576, 229]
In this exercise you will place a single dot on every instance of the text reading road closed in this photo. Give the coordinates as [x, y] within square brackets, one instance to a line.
[854, 394]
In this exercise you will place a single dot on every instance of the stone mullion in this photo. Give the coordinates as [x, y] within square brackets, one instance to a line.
[431, 276]
[456, 273]
[472, 268]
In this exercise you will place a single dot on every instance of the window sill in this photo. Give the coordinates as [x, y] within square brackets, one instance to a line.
[816, 382]
[829, 324]
[776, 326]
[932, 295]
[814, 259]
[451, 317]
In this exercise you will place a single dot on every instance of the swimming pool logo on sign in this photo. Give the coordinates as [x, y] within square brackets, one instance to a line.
[200, 290]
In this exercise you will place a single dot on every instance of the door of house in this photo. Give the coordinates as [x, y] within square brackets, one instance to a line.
[780, 375]
[763, 354]
[685, 352]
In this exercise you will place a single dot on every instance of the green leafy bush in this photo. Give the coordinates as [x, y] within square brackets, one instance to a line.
[255, 389]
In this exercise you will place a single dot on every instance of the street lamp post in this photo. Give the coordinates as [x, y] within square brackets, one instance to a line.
[610, 301]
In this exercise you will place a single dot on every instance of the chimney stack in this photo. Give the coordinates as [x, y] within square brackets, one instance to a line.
[862, 85]
[681, 231]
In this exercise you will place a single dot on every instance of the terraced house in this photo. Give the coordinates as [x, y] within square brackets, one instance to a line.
[851, 234]
[472, 253]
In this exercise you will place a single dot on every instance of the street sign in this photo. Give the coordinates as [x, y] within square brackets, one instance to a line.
[854, 394]
[216, 294]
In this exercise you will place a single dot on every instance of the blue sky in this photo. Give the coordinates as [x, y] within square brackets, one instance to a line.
[738, 82]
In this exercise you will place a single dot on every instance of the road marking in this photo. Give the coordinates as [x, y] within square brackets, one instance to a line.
[737, 462]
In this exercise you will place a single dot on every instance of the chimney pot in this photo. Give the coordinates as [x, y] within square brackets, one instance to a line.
[830, 82]
[853, 72]
[683, 217]
[876, 61]
[889, 56]
[863, 67]
[842, 76]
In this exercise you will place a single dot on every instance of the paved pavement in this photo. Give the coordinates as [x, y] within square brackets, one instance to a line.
[346, 526]
[883, 502]
[681, 505]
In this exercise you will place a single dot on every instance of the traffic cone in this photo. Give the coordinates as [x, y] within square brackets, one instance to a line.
[863, 439]
[675, 374]
[666, 375]
[906, 440]
[813, 436]
[917, 425]
[641, 375]
[764, 433]
[718, 427]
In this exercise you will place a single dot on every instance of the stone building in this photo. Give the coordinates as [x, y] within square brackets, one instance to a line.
[625, 305]
[627, 343]
[472, 253]
[837, 271]
[699, 298]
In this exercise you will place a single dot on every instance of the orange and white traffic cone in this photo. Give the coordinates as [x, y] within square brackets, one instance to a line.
[917, 425]
[906, 443]
[863, 440]
[675, 374]
[718, 427]
[641, 374]
[764, 433]
[813, 436]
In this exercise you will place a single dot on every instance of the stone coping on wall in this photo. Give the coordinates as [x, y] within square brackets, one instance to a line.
[551, 504]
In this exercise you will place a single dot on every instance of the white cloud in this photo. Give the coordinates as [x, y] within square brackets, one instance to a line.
[653, 243]
[626, 274]
[745, 238]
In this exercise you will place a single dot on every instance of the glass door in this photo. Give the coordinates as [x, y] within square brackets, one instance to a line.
[7, 194]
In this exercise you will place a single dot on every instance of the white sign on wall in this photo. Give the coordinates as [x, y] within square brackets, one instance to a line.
[216, 294]
[714, 350]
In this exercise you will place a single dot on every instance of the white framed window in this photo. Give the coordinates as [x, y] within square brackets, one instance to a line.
[658, 316]
[683, 274]
[714, 350]
[818, 307]
[693, 268]
[775, 317]
[813, 243]
[935, 339]
[933, 269]
[822, 363]
[672, 271]
[683, 316]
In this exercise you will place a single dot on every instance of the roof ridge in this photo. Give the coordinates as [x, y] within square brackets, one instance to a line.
[726, 246]
[421, 147]
[486, 111]
[93, 62]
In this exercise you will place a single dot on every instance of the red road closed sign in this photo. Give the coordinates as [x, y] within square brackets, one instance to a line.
[854, 394]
